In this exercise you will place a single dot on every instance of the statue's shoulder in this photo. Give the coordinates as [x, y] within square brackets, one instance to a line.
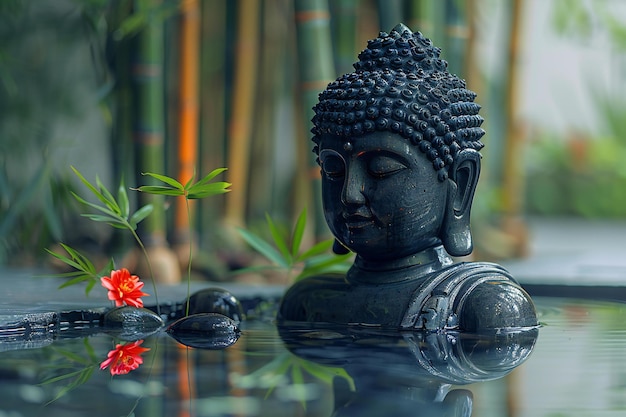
[302, 294]
[471, 296]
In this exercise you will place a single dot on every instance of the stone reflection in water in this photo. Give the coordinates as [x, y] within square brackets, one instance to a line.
[205, 331]
[398, 144]
[409, 373]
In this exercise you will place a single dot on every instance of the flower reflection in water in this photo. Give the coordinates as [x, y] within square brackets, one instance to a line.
[124, 358]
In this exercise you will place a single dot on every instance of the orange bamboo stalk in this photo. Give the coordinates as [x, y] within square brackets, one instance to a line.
[186, 381]
[243, 99]
[188, 126]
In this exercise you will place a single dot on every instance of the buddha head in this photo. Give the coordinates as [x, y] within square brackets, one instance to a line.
[397, 141]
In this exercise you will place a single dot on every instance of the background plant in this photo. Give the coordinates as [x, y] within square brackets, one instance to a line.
[285, 253]
[190, 191]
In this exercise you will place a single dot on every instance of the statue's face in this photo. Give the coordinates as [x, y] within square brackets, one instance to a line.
[381, 195]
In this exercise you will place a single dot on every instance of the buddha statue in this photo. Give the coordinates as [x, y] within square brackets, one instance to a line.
[398, 144]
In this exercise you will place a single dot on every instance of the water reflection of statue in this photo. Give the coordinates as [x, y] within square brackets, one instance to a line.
[412, 372]
[398, 142]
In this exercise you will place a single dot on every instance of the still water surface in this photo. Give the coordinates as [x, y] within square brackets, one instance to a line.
[574, 365]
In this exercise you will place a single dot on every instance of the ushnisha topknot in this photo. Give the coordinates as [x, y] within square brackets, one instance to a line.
[401, 85]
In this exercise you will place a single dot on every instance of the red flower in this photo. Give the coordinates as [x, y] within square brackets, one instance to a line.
[124, 288]
[124, 358]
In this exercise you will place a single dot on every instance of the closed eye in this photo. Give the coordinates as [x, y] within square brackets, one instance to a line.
[333, 165]
[383, 166]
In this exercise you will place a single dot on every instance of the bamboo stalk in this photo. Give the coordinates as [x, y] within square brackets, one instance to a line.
[212, 109]
[240, 125]
[344, 26]
[390, 13]
[428, 17]
[150, 140]
[188, 109]
[316, 70]
[456, 36]
[512, 180]
[149, 128]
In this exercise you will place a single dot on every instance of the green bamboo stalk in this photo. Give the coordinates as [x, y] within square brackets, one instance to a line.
[271, 75]
[240, 127]
[390, 13]
[344, 28]
[428, 17]
[457, 33]
[316, 70]
[150, 138]
[123, 149]
[149, 127]
[213, 44]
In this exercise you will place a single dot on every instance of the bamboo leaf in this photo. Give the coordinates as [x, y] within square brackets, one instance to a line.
[60, 377]
[72, 356]
[210, 176]
[105, 210]
[280, 242]
[325, 264]
[80, 278]
[165, 179]
[263, 247]
[90, 286]
[93, 189]
[319, 248]
[190, 182]
[113, 221]
[140, 214]
[298, 232]
[124, 204]
[81, 259]
[205, 190]
[63, 259]
[90, 350]
[160, 190]
[110, 200]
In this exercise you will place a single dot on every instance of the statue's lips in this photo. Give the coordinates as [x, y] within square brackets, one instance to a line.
[357, 221]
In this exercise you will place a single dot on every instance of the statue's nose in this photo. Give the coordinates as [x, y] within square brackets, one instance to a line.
[353, 188]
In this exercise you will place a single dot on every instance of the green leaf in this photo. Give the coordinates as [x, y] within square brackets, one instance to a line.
[110, 200]
[140, 214]
[104, 210]
[298, 232]
[113, 221]
[124, 204]
[90, 350]
[197, 191]
[263, 247]
[72, 356]
[93, 189]
[319, 248]
[280, 242]
[80, 278]
[190, 182]
[210, 176]
[164, 178]
[160, 190]
[325, 264]
[64, 259]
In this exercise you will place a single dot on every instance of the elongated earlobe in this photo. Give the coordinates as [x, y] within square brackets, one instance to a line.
[463, 178]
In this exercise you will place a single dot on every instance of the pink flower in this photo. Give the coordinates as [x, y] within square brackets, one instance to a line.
[124, 288]
[124, 358]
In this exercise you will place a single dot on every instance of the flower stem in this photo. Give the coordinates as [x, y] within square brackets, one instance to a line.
[145, 253]
[190, 255]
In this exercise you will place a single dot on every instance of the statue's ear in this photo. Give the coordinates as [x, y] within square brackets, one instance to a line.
[462, 179]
